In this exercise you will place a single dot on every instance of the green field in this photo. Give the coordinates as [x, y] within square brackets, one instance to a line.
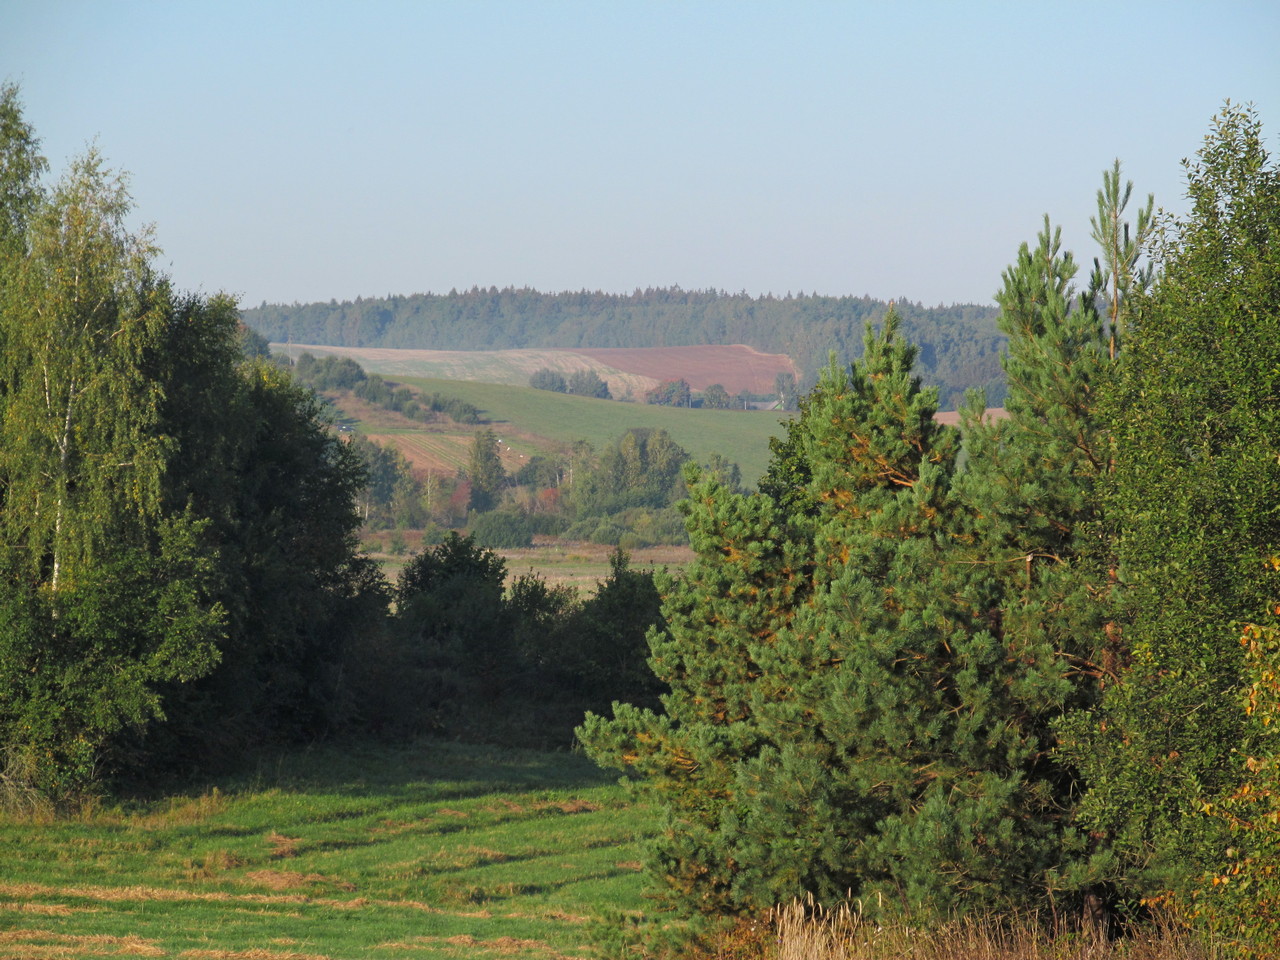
[740, 436]
[439, 850]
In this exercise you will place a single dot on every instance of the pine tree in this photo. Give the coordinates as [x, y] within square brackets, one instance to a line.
[839, 719]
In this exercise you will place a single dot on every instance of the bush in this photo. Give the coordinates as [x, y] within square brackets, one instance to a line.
[546, 379]
[502, 529]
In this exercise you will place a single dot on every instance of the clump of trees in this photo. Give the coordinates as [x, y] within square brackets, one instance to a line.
[670, 393]
[178, 567]
[999, 668]
[461, 642]
[581, 383]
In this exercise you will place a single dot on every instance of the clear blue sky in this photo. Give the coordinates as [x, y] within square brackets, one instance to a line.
[311, 150]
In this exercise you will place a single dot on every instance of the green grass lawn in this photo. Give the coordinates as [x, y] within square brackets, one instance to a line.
[439, 850]
[740, 436]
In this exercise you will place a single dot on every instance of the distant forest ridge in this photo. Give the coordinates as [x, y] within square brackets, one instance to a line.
[959, 344]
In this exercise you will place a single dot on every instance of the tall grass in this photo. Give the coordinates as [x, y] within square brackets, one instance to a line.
[803, 932]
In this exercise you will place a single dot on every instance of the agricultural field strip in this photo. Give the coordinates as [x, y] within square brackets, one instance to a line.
[742, 437]
[511, 367]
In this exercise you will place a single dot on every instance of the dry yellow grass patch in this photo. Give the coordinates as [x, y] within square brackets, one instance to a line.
[143, 894]
[48, 943]
[505, 946]
[251, 955]
[570, 806]
[292, 880]
[283, 847]
[44, 909]
[183, 810]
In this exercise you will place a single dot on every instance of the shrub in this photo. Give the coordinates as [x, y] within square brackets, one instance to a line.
[502, 529]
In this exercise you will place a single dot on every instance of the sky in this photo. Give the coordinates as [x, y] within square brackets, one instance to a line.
[295, 152]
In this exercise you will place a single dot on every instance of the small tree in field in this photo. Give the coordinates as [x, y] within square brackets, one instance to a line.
[587, 383]
[716, 397]
[484, 471]
[546, 379]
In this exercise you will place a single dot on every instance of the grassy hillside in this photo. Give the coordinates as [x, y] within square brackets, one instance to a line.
[741, 436]
[440, 850]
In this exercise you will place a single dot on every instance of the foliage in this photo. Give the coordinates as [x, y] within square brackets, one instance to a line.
[1196, 426]
[642, 468]
[392, 496]
[587, 383]
[602, 652]
[670, 393]
[484, 472]
[716, 397]
[840, 719]
[177, 560]
[502, 529]
[785, 387]
[328, 373]
[414, 405]
[105, 584]
[868, 658]
[546, 379]
[253, 344]
[1240, 898]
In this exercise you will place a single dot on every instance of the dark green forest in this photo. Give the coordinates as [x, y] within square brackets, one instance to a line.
[1019, 668]
[959, 345]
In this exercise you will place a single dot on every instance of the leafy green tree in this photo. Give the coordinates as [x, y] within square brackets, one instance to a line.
[106, 585]
[450, 612]
[670, 393]
[484, 471]
[601, 653]
[716, 397]
[1196, 428]
[587, 383]
[546, 379]
[392, 495]
[642, 468]
[20, 190]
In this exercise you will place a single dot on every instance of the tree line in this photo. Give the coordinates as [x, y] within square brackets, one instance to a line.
[1025, 666]
[959, 344]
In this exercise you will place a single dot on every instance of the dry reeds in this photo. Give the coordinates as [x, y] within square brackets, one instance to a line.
[810, 932]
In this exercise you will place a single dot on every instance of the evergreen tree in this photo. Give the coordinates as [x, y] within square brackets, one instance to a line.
[841, 717]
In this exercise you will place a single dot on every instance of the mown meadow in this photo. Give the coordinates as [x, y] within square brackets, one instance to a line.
[431, 850]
